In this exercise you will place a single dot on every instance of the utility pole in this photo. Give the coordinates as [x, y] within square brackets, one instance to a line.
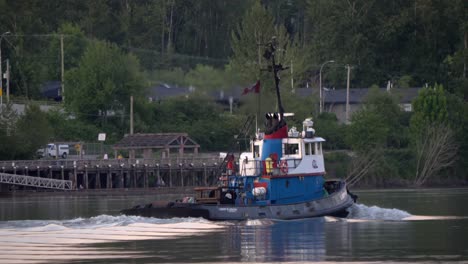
[63, 70]
[131, 115]
[347, 94]
[292, 79]
[8, 70]
[320, 85]
[1, 72]
[464, 61]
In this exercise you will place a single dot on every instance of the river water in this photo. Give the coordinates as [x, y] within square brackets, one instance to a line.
[428, 225]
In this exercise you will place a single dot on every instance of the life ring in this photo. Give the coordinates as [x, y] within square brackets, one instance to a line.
[284, 166]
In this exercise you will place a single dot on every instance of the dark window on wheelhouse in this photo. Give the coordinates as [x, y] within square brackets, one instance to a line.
[256, 151]
[312, 148]
[291, 149]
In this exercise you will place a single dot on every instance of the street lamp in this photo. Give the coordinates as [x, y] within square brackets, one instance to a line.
[320, 84]
[1, 62]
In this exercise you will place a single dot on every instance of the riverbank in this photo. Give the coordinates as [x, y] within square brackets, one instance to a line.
[183, 191]
[382, 183]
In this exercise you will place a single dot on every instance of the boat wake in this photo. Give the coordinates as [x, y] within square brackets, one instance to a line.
[97, 222]
[30, 240]
[364, 213]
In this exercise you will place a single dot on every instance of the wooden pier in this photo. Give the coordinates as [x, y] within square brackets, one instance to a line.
[82, 174]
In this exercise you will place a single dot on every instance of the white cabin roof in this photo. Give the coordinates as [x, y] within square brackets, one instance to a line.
[314, 139]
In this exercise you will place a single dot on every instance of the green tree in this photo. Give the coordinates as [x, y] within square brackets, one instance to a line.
[429, 107]
[377, 124]
[21, 136]
[385, 105]
[205, 78]
[74, 45]
[433, 139]
[376, 134]
[367, 131]
[327, 126]
[103, 82]
[248, 43]
[200, 117]
[386, 40]
[33, 131]
[8, 137]
[65, 128]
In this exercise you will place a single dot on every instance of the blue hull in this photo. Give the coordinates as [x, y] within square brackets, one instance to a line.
[334, 204]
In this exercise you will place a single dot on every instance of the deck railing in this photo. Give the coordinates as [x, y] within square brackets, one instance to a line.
[71, 163]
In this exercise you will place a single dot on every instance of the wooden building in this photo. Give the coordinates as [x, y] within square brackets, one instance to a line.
[147, 144]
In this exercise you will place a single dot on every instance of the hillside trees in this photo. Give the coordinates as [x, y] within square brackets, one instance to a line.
[74, 45]
[8, 139]
[65, 128]
[205, 78]
[32, 130]
[383, 40]
[377, 124]
[386, 40]
[376, 132]
[102, 83]
[327, 126]
[21, 136]
[249, 41]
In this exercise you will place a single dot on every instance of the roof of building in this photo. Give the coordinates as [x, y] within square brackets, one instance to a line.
[155, 141]
[52, 90]
[163, 90]
[357, 95]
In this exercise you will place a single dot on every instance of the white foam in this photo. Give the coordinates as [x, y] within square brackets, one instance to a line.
[432, 217]
[258, 222]
[100, 221]
[330, 219]
[363, 212]
[49, 227]
[31, 240]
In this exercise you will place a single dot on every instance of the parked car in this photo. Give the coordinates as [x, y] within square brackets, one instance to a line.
[51, 151]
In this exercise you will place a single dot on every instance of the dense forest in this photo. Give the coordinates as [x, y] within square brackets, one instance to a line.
[113, 49]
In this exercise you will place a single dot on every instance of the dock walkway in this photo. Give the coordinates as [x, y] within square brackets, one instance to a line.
[84, 174]
[35, 181]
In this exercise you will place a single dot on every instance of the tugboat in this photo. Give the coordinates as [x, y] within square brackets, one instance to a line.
[281, 177]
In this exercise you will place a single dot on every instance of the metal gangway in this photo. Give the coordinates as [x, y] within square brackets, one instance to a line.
[35, 181]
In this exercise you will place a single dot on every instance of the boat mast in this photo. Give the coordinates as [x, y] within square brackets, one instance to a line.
[270, 55]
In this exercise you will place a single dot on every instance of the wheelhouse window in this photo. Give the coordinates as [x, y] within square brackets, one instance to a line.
[291, 149]
[317, 148]
[256, 151]
[314, 148]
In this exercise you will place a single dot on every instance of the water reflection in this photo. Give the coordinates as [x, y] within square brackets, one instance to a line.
[301, 240]
[97, 238]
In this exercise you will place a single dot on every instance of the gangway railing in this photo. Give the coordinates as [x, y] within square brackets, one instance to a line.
[71, 163]
[35, 181]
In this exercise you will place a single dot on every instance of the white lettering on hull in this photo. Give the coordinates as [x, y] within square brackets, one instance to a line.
[229, 210]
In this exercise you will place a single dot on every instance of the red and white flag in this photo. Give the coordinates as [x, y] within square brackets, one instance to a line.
[253, 89]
